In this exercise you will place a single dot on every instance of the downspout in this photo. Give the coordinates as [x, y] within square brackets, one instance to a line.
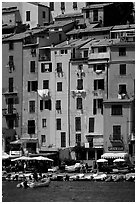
[69, 103]
[21, 115]
[107, 79]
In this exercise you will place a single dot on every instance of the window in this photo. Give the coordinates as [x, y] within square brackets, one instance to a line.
[122, 89]
[44, 122]
[66, 51]
[32, 86]
[58, 123]
[99, 67]
[63, 6]
[48, 104]
[78, 138]
[75, 5]
[63, 139]
[116, 110]
[122, 69]
[85, 53]
[87, 14]
[43, 14]
[58, 104]
[91, 124]
[116, 132]
[100, 105]
[79, 103]
[41, 104]
[11, 61]
[32, 66]
[78, 124]
[59, 86]
[102, 49]
[51, 5]
[94, 107]
[10, 84]
[99, 84]
[27, 15]
[95, 15]
[60, 37]
[97, 105]
[59, 67]
[32, 106]
[43, 140]
[46, 67]
[11, 45]
[31, 126]
[45, 84]
[62, 52]
[122, 51]
[80, 67]
[80, 84]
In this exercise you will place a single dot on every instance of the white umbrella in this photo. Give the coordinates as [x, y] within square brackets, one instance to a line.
[119, 160]
[40, 158]
[21, 158]
[5, 155]
[102, 160]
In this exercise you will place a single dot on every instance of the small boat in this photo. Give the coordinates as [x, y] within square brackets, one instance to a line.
[109, 179]
[42, 183]
[100, 177]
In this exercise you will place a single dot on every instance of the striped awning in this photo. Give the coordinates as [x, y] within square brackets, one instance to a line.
[114, 155]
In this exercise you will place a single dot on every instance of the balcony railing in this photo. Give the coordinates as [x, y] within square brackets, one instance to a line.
[10, 92]
[9, 111]
[116, 138]
[44, 58]
[81, 93]
[98, 93]
[102, 55]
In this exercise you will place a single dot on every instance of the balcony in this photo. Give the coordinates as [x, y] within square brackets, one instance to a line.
[44, 54]
[9, 111]
[116, 139]
[98, 93]
[81, 93]
[31, 40]
[97, 56]
[11, 92]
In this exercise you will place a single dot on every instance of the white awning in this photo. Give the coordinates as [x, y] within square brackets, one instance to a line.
[114, 155]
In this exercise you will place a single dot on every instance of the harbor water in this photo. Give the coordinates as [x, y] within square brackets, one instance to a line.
[71, 191]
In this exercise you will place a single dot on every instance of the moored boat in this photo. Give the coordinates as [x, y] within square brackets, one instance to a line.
[42, 183]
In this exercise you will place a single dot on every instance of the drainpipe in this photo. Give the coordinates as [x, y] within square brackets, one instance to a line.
[69, 103]
[107, 79]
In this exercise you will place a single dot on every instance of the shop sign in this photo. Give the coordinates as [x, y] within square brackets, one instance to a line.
[115, 148]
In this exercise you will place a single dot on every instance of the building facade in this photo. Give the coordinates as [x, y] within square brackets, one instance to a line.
[33, 14]
[12, 92]
[119, 121]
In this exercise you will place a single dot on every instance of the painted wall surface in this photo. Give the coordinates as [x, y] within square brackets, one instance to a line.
[17, 78]
[126, 120]
[33, 14]
[123, 120]
[68, 8]
[47, 18]
[114, 71]
[9, 18]
[28, 96]
[52, 134]
[91, 19]
[88, 87]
